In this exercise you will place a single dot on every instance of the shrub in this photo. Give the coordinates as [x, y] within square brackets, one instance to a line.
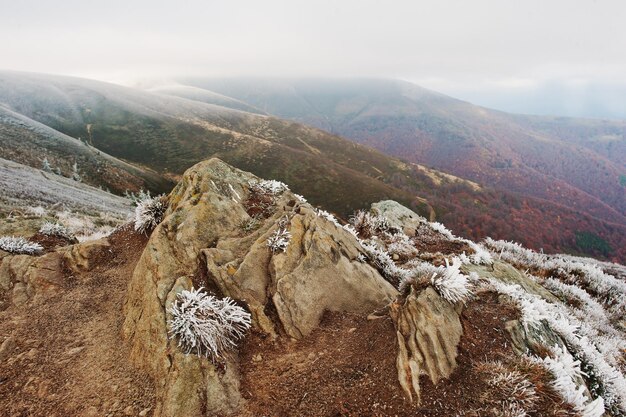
[206, 324]
[451, 284]
[368, 225]
[56, 229]
[19, 245]
[149, 213]
[279, 240]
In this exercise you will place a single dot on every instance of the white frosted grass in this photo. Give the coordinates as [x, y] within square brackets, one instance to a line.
[572, 330]
[566, 371]
[451, 284]
[206, 324]
[19, 246]
[149, 213]
[279, 240]
[56, 229]
[272, 187]
[611, 291]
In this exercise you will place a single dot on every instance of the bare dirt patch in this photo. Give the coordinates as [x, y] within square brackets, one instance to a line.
[68, 357]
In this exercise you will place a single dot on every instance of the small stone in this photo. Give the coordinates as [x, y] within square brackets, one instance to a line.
[7, 347]
[91, 412]
[395, 257]
[20, 294]
[74, 351]
[257, 358]
[128, 411]
[145, 412]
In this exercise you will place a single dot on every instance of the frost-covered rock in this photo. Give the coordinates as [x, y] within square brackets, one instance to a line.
[317, 271]
[399, 216]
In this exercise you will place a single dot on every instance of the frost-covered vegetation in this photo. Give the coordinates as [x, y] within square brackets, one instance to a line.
[451, 284]
[28, 199]
[592, 306]
[149, 213]
[585, 273]
[593, 303]
[24, 186]
[207, 325]
[19, 245]
[566, 371]
[262, 197]
[279, 240]
[395, 255]
[56, 229]
[509, 391]
[272, 187]
[600, 353]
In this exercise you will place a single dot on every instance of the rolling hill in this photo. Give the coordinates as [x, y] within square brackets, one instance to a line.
[551, 163]
[169, 134]
[166, 132]
[578, 163]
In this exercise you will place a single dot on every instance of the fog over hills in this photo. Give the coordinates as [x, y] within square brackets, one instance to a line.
[577, 162]
[521, 194]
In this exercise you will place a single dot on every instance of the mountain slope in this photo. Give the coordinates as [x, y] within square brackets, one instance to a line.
[29, 142]
[533, 156]
[168, 134]
[204, 96]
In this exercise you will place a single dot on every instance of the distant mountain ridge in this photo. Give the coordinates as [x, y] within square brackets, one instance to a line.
[162, 134]
[576, 162]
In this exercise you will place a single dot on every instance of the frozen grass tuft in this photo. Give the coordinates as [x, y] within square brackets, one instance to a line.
[149, 213]
[19, 246]
[207, 325]
[368, 225]
[279, 240]
[451, 284]
[56, 229]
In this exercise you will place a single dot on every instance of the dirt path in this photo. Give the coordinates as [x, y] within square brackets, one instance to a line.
[68, 357]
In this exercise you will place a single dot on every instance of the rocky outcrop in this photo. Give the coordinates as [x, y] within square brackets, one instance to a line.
[208, 239]
[399, 216]
[428, 330]
[524, 339]
[26, 278]
[507, 274]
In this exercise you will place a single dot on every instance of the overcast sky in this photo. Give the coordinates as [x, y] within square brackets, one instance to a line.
[469, 48]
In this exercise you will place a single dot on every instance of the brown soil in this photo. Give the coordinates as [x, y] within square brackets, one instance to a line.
[427, 241]
[69, 359]
[347, 368]
[344, 368]
[50, 243]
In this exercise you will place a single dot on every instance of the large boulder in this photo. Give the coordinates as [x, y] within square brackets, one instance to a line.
[208, 239]
[428, 330]
[399, 216]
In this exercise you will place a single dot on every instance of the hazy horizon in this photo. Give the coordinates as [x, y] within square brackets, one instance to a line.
[546, 58]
